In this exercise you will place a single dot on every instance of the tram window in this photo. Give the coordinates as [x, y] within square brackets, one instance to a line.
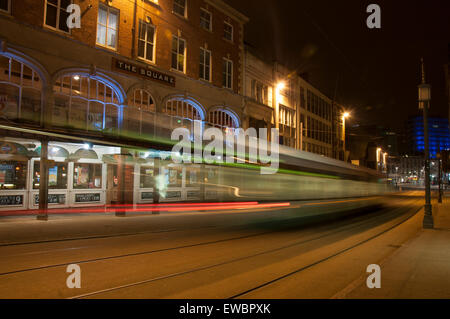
[13, 174]
[87, 176]
[57, 176]
[147, 178]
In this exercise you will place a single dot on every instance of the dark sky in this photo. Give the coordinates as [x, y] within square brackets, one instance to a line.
[374, 72]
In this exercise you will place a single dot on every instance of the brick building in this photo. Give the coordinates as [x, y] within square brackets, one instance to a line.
[134, 71]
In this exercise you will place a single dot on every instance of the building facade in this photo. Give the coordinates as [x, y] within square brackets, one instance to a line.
[438, 132]
[279, 98]
[135, 71]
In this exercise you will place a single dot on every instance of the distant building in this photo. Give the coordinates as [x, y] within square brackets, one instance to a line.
[439, 135]
[363, 142]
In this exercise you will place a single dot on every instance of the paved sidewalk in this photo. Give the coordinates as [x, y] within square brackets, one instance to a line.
[421, 267]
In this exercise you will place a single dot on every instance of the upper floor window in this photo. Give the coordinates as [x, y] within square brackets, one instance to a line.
[179, 7]
[182, 113]
[287, 126]
[228, 31]
[141, 113]
[227, 74]
[146, 45]
[5, 5]
[20, 92]
[84, 102]
[107, 26]
[55, 13]
[205, 64]
[221, 119]
[205, 19]
[260, 92]
[178, 53]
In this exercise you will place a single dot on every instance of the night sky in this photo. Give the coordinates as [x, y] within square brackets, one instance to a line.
[373, 72]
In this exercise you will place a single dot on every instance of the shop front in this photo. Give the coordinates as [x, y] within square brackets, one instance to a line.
[77, 175]
[14, 166]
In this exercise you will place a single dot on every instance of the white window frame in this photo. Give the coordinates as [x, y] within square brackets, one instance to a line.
[185, 9]
[58, 12]
[204, 64]
[147, 25]
[210, 19]
[232, 31]
[108, 10]
[225, 71]
[179, 39]
[9, 7]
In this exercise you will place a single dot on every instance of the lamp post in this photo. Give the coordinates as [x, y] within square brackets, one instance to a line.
[278, 89]
[424, 102]
[439, 176]
[344, 116]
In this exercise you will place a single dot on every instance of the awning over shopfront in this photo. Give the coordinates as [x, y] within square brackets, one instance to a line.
[53, 151]
[13, 151]
[83, 153]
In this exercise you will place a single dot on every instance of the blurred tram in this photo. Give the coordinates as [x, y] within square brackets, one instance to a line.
[97, 174]
[301, 176]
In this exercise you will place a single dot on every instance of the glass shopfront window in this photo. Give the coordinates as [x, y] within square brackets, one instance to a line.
[57, 176]
[13, 174]
[212, 175]
[147, 177]
[192, 176]
[173, 176]
[87, 176]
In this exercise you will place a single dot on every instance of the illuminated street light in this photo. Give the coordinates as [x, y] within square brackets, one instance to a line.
[378, 156]
[344, 116]
[280, 86]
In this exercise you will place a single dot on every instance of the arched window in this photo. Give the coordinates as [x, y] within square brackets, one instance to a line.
[20, 92]
[222, 119]
[85, 103]
[182, 113]
[141, 112]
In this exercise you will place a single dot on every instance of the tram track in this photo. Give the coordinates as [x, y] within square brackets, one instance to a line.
[285, 276]
[149, 251]
[371, 222]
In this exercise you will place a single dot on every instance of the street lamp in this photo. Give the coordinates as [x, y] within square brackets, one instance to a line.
[278, 88]
[438, 155]
[344, 116]
[424, 102]
[378, 158]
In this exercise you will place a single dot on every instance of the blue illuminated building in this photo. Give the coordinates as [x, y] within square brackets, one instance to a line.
[438, 131]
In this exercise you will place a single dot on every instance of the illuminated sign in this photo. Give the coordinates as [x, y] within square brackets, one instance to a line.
[144, 72]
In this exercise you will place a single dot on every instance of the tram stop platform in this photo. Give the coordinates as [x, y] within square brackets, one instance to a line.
[420, 268]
